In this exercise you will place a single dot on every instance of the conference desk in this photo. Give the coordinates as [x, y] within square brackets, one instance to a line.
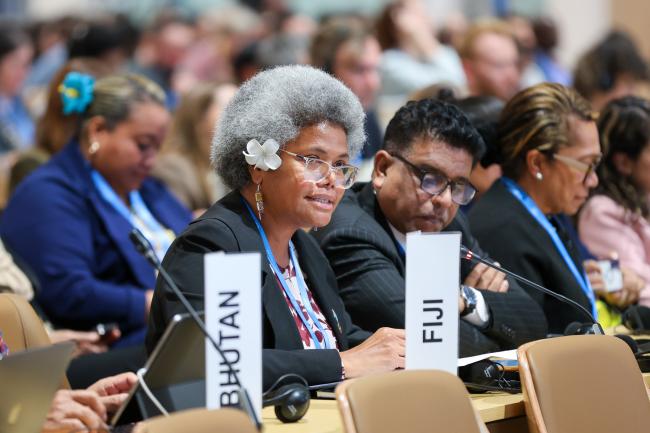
[501, 412]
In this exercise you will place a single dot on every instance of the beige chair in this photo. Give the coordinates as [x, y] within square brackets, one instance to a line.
[20, 325]
[199, 421]
[426, 401]
[583, 384]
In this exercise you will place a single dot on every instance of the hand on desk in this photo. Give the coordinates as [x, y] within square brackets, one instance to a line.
[382, 351]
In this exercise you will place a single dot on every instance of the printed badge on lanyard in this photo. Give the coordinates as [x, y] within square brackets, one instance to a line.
[301, 284]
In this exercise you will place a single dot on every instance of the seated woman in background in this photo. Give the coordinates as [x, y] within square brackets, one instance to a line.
[549, 150]
[184, 162]
[412, 56]
[615, 219]
[54, 129]
[70, 220]
[283, 145]
[16, 124]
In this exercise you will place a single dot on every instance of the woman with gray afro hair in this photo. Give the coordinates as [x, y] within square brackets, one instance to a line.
[277, 104]
[283, 145]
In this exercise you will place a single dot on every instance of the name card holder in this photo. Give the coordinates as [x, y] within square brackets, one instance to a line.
[233, 315]
[432, 293]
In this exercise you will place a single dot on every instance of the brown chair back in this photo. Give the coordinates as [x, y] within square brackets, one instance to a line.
[426, 401]
[199, 421]
[20, 325]
[583, 384]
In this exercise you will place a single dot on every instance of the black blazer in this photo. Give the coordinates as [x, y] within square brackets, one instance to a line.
[226, 226]
[370, 272]
[506, 229]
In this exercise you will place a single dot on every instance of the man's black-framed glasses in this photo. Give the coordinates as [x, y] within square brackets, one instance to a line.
[435, 183]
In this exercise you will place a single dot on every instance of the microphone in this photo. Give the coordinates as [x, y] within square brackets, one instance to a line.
[593, 327]
[144, 247]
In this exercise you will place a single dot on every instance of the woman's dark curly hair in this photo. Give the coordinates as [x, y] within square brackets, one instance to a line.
[624, 128]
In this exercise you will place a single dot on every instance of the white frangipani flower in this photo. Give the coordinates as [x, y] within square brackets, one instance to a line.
[265, 156]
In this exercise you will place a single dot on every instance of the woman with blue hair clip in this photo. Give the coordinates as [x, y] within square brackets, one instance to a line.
[70, 220]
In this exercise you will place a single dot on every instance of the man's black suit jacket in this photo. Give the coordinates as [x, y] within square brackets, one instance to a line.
[513, 237]
[226, 226]
[370, 271]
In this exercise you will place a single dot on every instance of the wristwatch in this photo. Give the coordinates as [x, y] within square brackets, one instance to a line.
[469, 297]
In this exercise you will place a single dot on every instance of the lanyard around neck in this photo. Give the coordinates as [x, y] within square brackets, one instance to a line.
[139, 209]
[285, 287]
[532, 208]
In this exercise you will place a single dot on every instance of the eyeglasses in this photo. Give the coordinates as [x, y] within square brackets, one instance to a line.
[576, 164]
[435, 183]
[316, 170]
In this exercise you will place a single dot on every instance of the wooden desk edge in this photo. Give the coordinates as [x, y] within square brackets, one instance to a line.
[324, 416]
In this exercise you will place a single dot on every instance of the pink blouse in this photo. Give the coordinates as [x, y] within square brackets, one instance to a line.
[607, 227]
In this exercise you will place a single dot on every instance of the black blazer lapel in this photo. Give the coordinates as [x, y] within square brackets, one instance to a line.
[277, 312]
[116, 225]
[368, 202]
[118, 229]
[275, 306]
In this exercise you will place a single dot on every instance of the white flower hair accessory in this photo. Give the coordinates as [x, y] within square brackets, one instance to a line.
[265, 156]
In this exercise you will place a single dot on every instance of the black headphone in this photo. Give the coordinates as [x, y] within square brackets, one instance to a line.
[291, 400]
[639, 351]
[636, 318]
[486, 375]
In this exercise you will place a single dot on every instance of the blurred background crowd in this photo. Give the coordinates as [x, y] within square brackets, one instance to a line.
[200, 52]
[386, 52]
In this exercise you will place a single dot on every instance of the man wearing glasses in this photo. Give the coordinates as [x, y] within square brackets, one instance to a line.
[420, 177]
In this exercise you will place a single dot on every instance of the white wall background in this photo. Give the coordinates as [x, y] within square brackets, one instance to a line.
[581, 23]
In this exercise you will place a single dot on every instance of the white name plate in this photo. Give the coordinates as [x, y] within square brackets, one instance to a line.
[432, 292]
[233, 315]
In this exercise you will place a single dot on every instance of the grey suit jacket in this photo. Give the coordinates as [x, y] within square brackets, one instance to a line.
[370, 272]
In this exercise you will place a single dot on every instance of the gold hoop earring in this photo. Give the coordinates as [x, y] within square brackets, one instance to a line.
[259, 201]
[94, 147]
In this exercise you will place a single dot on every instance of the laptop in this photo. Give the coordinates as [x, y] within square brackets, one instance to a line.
[174, 373]
[28, 381]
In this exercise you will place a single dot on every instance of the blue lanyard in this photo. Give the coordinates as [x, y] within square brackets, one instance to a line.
[301, 284]
[537, 214]
[139, 208]
[400, 248]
